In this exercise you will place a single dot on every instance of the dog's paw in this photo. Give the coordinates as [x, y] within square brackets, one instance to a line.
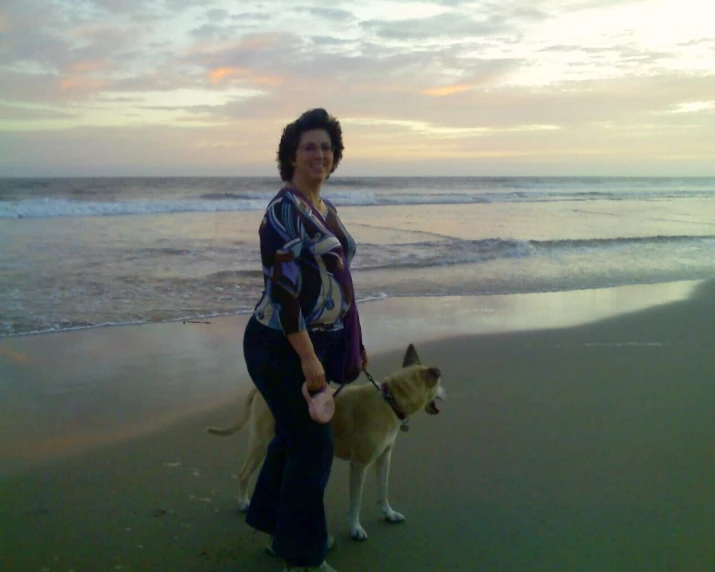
[358, 533]
[243, 506]
[394, 516]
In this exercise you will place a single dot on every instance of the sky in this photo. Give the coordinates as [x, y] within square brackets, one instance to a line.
[442, 87]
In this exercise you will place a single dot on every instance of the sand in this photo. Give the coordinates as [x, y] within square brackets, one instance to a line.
[578, 442]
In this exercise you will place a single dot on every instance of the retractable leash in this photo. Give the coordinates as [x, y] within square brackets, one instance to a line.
[339, 389]
[367, 373]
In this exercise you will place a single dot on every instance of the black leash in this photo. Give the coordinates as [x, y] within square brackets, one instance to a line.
[372, 380]
[369, 376]
[387, 396]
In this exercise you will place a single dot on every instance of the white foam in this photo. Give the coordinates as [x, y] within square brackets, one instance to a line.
[626, 344]
[49, 208]
[250, 201]
[372, 298]
[439, 253]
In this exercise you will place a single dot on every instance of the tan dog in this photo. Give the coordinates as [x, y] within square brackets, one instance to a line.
[365, 427]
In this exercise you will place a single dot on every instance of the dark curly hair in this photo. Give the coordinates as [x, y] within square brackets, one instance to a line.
[313, 119]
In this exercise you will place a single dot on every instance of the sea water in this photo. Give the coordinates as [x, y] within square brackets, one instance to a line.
[79, 253]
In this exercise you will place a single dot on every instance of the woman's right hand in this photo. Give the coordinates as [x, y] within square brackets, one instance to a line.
[313, 372]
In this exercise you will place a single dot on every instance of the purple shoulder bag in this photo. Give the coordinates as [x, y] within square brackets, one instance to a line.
[348, 369]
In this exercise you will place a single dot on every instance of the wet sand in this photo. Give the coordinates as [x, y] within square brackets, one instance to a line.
[564, 444]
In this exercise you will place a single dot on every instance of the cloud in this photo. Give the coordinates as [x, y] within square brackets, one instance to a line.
[693, 107]
[230, 74]
[28, 40]
[448, 25]
[599, 61]
[461, 79]
[215, 31]
[580, 5]
[133, 149]
[120, 6]
[217, 15]
[256, 59]
[332, 14]
[221, 25]
[82, 84]
[330, 41]
[251, 17]
[140, 8]
[444, 132]
[707, 42]
[22, 87]
[449, 89]
[31, 113]
[448, 3]
[630, 100]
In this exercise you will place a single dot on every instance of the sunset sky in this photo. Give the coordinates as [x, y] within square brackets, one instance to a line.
[450, 87]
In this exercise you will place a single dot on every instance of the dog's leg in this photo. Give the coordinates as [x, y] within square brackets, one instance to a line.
[382, 471]
[256, 455]
[357, 479]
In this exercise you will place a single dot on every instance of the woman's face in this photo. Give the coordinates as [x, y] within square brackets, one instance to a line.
[314, 156]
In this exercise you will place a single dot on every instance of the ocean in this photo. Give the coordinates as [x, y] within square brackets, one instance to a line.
[81, 253]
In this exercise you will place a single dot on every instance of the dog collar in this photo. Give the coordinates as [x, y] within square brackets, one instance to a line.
[387, 396]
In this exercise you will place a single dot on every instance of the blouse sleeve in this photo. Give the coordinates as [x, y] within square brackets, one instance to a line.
[282, 235]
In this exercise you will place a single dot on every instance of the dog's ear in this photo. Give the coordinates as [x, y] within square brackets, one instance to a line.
[431, 375]
[411, 357]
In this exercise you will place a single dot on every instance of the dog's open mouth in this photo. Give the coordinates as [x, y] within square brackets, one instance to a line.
[432, 408]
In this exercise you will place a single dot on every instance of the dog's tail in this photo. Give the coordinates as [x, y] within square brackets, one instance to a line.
[242, 421]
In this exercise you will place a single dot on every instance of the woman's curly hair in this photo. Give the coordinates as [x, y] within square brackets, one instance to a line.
[313, 119]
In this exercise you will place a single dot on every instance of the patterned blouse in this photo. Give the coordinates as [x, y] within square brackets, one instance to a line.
[299, 261]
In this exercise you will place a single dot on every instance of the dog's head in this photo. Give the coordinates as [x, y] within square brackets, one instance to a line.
[417, 386]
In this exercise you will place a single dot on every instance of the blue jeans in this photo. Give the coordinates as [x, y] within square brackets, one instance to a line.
[287, 502]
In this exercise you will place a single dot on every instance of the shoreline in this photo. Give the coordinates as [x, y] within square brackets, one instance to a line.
[586, 447]
[362, 303]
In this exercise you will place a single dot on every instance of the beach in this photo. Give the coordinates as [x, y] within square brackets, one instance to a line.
[577, 435]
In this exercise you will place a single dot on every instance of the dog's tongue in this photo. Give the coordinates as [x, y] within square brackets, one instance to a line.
[436, 407]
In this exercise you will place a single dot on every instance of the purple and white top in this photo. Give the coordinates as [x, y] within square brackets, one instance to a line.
[304, 254]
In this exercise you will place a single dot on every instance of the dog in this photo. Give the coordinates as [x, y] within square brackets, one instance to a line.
[365, 426]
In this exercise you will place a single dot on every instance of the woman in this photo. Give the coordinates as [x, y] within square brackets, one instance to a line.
[305, 328]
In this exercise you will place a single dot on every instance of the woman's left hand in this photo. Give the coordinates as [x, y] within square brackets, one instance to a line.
[365, 360]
